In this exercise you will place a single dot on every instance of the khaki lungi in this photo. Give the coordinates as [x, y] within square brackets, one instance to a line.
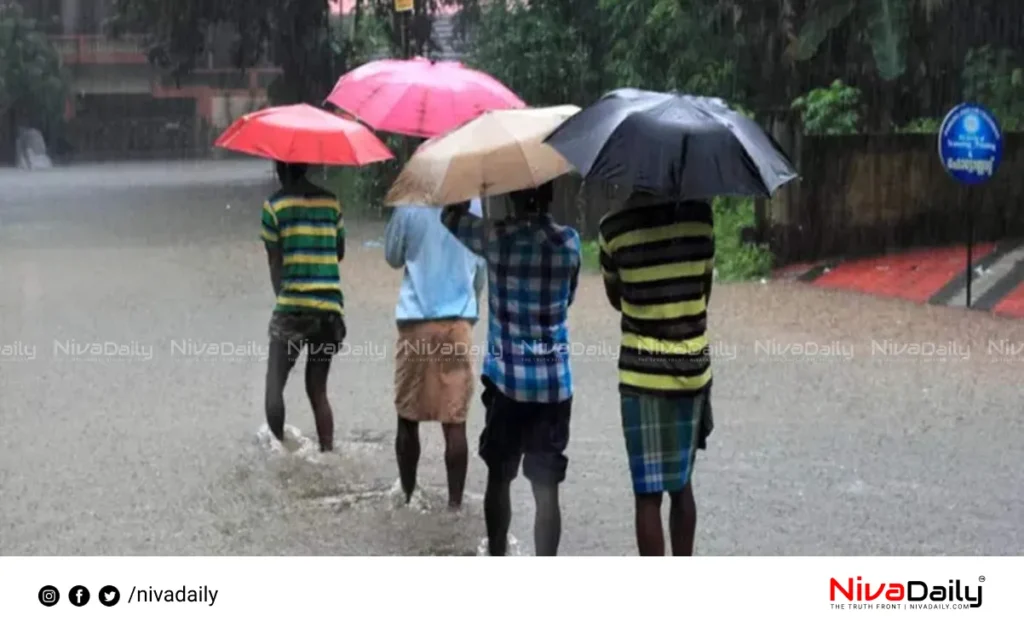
[434, 371]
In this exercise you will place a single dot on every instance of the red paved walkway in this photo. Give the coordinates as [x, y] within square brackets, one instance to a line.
[915, 276]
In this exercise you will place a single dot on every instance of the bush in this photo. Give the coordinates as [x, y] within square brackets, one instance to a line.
[920, 126]
[362, 190]
[591, 256]
[832, 110]
[734, 260]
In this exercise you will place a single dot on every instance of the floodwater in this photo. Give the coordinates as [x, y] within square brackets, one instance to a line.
[133, 310]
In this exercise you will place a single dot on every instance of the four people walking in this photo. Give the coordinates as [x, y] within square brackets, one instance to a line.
[657, 260]
[656, 256]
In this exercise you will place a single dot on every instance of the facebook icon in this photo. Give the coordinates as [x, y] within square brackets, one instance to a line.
[79, 596]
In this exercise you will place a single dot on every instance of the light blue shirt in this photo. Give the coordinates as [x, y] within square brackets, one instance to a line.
[443, 279]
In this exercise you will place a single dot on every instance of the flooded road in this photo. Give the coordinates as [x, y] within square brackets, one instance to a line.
[133, 309]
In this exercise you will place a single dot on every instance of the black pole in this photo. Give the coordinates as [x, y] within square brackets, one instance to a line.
[970, 253]
[406, 20]
[406, 35]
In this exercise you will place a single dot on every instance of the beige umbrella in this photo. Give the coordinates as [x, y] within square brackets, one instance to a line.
[498, 152]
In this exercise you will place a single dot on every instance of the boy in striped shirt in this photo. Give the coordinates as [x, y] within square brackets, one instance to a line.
[304, 234]
[657, 258]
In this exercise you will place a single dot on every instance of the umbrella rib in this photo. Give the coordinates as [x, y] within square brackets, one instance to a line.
[357, 108]
[526, 161]
[291, 147]
[365, 100]
[422, 124]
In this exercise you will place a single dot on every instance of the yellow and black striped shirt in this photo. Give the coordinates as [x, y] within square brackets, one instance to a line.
[308, 227]
[657, 257]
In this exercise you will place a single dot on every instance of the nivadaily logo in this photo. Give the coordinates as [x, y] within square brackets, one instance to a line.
[913, 594]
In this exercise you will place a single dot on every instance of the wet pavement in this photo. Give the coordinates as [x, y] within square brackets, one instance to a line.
[845, 424]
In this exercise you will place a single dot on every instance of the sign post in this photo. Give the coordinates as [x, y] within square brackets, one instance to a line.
[403, 13]
[971, 149]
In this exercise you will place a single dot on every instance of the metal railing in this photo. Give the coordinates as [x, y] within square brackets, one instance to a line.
[99, 49]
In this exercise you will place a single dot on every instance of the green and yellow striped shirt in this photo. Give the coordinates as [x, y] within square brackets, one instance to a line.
[657, 257]
[308, 227]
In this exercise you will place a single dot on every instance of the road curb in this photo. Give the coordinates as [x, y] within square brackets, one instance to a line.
[912, 275]
[959, 283]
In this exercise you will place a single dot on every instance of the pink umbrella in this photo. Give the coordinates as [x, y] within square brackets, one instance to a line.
[418, 97]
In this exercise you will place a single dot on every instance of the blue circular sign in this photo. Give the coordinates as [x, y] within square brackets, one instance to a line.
[970, 144]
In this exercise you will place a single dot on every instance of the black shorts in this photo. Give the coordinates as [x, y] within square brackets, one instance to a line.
[322, 334]
[534, 433]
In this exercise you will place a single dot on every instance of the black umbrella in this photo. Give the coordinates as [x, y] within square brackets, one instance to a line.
[676, 145]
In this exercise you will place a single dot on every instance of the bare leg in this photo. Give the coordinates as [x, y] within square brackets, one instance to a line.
[456, 461]
[279, 365]
[407, 452]
[650, 536]
[547, 523]
[497, 511]
[682, 521]
[318, 368]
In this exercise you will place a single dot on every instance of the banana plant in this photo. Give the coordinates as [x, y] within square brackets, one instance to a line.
[885, 24]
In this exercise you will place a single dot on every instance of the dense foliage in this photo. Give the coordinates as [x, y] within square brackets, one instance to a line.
[996, 78]
[906, 60]
[834, 66]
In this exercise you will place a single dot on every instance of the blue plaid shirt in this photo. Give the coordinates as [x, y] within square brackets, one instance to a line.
[533, 269]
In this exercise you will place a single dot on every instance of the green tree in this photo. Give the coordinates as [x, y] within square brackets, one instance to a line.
[534, 52]
[33, 87]
[671, 45]
[757, 36]
[995, 79]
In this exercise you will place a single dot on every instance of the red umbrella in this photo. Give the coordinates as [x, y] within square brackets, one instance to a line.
[304, 134]
[418, 97]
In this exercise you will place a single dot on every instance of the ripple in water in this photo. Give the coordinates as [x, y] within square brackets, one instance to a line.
[355, 482]
[514, 547]
[307, 474]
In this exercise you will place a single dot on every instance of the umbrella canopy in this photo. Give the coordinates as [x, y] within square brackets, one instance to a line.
[304, 134]
[498, 152]
[419, 97]
[681, 146]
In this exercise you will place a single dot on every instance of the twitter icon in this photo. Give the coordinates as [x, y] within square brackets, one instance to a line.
[109, 596]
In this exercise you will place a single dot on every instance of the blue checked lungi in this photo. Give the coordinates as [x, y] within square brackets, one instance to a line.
[662, 437]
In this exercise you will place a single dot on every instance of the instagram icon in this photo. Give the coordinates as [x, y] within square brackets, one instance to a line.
[49, 596]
